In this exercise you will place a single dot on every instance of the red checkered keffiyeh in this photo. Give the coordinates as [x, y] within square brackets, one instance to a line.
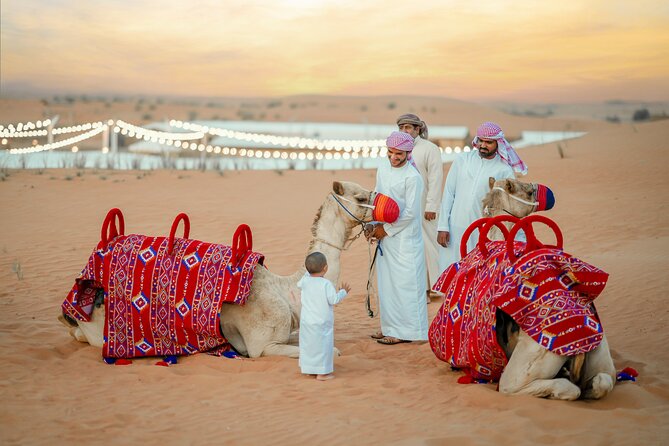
[157, 302]
[402, 141]
[490, 130]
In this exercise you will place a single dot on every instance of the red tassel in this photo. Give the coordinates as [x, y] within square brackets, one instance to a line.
[162, 364]
[466, 380]
[630, 371]
[123, 361]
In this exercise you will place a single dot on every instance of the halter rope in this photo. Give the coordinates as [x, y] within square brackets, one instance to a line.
[342, 248]
[378, 249]
[529, 203]
[534, 203]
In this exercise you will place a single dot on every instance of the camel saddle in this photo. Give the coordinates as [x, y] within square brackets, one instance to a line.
[162, 295]
[548, 293]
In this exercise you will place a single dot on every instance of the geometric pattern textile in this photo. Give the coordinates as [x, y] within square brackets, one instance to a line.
[159, 303]
[463, 331]
[547, 292]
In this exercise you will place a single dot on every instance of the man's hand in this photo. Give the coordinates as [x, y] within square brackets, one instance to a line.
[375, 231]
[443, 238]
[429, 216]
[345, 286]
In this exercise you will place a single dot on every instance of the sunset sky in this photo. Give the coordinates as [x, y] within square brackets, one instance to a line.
[512, 50]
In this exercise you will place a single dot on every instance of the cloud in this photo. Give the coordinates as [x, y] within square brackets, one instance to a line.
[479, 50]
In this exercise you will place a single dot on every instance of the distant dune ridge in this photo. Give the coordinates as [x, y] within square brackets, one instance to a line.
[612, 206]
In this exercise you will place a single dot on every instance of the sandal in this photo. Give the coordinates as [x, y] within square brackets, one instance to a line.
[389, 340]
[377, 335]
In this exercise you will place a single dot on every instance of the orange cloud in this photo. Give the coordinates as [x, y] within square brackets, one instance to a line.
[518, 49]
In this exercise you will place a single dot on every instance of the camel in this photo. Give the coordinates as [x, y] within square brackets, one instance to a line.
[263, 326]
[532, 369]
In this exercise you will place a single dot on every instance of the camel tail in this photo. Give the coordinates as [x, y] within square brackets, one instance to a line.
[576, 368]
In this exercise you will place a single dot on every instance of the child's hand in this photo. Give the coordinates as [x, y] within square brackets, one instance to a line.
[346, 286]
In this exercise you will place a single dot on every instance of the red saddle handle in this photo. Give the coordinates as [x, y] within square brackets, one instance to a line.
[242, 243]
[532, 242]
[494, 221]
[109, 228]
[468, 232]
[181, 217]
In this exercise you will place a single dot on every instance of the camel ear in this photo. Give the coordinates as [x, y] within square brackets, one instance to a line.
[338, 188]
[491, 182]
[510, 187]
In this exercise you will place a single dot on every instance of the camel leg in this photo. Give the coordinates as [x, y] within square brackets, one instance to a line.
[77, 334]
[263, 326]
[531, 369]
[91, 332]
[292, 351]
[599, 372]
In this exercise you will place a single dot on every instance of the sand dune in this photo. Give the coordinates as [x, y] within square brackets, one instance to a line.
[612, 205]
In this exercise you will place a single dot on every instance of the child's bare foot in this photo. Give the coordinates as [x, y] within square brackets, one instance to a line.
[325, 377]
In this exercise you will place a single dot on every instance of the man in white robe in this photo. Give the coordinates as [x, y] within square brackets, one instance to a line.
[402, 279]
[467, 184]
[427, 157]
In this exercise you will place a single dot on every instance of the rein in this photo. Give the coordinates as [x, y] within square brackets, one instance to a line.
[378, 249]
[345, 247]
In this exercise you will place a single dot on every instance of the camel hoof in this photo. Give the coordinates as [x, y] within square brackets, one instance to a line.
[77, 334]
[600, 386]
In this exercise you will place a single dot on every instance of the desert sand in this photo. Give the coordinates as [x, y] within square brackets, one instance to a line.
[612, 205]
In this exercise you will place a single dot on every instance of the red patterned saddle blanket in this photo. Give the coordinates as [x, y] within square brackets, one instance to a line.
[546, 291]
[162, 295]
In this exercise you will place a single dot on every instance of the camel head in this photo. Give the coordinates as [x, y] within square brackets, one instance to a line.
[509, 196]
[356, 199]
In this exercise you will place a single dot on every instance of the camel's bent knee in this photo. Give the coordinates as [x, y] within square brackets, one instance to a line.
[559, 389]
[291, 351]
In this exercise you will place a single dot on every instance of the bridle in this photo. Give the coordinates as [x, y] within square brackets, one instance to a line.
[372, 261]
[534, 204]
[368, 206]
[350, 241]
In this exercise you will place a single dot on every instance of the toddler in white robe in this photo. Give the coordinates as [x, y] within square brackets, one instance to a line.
[318, 297]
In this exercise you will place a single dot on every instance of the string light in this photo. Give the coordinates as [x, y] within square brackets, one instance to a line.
[66, 142]
[23, 126]
[24, 134]
[140, 133]
[293, 142]
[297, 147]
[76, 128]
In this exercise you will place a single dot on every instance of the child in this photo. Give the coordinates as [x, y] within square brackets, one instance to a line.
[317, 318]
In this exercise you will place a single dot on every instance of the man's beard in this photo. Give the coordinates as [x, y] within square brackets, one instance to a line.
[487, 153]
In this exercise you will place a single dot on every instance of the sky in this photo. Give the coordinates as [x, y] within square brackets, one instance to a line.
[484, 50]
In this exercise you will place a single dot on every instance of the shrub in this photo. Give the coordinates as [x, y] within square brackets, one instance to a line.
[641, 115]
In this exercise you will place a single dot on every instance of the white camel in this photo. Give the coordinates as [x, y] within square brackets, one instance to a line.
[532, 369]
[263, 326]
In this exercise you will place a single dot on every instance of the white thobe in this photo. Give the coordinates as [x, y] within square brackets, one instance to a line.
[427, 157]
[401, 276]
[317, 324]
[466, 186]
